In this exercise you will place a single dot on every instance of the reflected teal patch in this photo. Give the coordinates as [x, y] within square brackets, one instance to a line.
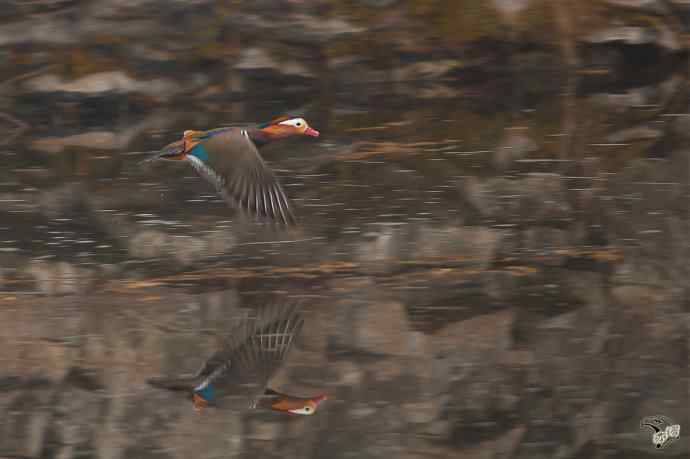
[207, 392]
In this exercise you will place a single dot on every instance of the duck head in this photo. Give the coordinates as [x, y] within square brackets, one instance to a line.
[298, 405]
[282, 128]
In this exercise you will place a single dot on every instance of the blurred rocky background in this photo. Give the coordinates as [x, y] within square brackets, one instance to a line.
[493, 251]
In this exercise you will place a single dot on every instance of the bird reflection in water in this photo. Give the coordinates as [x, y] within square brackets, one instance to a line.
[237, 375]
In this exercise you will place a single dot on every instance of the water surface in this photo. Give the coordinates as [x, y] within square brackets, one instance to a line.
[499, 267]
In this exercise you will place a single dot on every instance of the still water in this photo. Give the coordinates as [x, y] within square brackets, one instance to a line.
[497, 270]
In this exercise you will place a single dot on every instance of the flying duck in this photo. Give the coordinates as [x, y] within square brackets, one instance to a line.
[238, 374]
[229, 159]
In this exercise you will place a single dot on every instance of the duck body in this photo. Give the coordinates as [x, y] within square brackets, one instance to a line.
[229, 159]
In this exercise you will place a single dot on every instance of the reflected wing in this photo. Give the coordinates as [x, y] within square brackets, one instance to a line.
[258, 348]
[230, 161]
[219, 361]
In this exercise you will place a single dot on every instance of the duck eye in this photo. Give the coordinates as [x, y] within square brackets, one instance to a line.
[299, 124]
[307, 409]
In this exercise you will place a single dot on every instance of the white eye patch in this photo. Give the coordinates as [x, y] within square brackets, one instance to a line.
[306, 411]
[296, 122]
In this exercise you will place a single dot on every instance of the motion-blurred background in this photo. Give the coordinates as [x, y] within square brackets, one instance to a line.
[493, 249]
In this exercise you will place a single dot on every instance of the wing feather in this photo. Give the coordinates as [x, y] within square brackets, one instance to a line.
[240, 175]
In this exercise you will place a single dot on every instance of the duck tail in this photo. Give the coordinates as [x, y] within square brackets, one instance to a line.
[174, 151]
[172, 384]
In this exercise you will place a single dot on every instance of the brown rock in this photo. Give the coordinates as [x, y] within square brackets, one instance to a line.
[100, 140]
[148, 244]
[262, 430]
[349, 374]
[60, 278]
[634, 295]
[381, 328]
[510, 8]
[68, 278]
[102, 82]
[385, 370]
[591, 424]
[503, 446]
[189, 249]
[422, 412]
[515, 145]
[634, 134]
[379, 249]
[220, 242]
[477, 245]
[477, 337]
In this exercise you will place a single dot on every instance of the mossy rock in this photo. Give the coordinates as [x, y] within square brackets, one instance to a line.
[460, 22]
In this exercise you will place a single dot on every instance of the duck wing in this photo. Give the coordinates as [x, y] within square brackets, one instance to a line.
[252, 354]
[229, 160]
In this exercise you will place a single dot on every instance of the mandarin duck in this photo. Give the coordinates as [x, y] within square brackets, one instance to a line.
[238, 374]
[229, 159]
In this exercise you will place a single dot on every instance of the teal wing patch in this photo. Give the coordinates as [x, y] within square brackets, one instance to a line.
[200, 152]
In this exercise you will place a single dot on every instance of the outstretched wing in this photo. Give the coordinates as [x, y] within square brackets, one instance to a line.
[230, 161]
[255, 351]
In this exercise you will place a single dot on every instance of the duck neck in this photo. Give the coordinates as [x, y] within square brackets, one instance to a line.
[262, 136]
[280, 402]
